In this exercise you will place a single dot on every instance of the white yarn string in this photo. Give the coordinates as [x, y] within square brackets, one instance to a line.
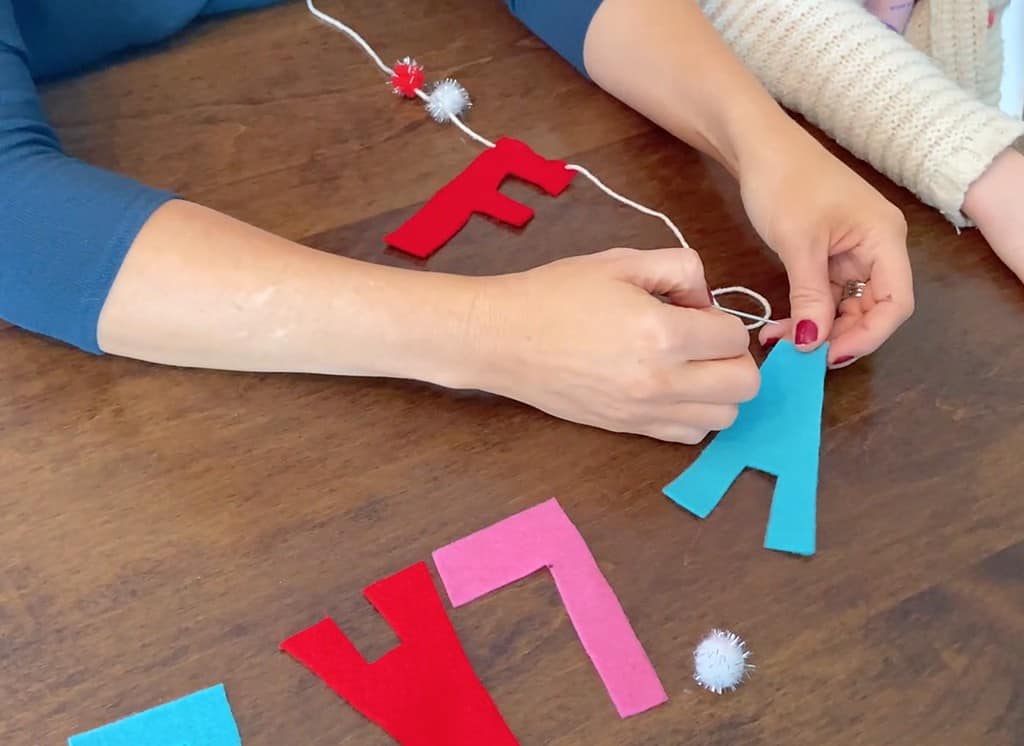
[630, 203]
[351, 34]
[757, 321]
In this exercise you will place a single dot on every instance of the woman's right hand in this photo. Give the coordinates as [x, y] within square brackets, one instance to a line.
[586, 339]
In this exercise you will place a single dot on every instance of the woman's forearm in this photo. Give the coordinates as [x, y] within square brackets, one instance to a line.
[665, 59]
[200, 289]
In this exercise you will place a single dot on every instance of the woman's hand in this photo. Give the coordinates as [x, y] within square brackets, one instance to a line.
[663, 58]
[585, 339]
[829, 227]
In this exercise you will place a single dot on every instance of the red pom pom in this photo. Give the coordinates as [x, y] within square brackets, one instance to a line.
[408, 78]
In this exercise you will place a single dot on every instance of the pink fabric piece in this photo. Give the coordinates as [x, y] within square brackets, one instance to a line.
[543, 536]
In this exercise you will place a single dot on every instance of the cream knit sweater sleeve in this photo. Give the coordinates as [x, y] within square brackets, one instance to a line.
[877, 95]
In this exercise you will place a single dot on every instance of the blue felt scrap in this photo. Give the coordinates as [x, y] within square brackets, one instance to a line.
[200, 719]
[779, 433]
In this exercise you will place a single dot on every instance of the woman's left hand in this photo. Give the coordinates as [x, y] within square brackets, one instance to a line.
[830, 227]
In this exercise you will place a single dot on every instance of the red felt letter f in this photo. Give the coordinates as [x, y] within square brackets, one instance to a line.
[475, 190]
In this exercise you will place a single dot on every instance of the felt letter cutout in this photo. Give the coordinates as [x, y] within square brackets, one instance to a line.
[200, 719]
[779, 432]
[423, 692]
[476, 190]
[543, 536]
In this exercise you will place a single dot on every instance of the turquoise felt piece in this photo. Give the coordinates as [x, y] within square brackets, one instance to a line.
[200, 719]
[779, 432]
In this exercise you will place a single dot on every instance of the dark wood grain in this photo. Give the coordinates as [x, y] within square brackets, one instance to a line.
[163, 530]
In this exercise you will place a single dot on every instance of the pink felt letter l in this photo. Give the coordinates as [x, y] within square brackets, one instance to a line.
[543, 536]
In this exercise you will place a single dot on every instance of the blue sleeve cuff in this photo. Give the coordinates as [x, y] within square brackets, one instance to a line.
[66, 229]
[561, 24]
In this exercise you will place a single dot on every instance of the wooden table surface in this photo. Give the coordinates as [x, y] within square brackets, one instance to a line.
[164, 530]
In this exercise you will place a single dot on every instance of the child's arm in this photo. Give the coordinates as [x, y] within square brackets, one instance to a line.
[996, 203]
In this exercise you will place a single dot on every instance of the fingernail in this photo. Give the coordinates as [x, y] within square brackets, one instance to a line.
[711, 298]
[806, 332]
[843, 360]
[770, 343]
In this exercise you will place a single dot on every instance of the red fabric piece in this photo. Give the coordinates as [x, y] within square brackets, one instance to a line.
[423, 692]
[475, 190]
[408, 77]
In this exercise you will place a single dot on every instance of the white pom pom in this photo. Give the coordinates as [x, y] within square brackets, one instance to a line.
[448, 99]
[720, 661]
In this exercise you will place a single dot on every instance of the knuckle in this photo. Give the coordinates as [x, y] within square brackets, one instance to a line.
[620, 254]
[896, 219]
[692, 436]
[804, 295]
[748, 381]
[655, 333]
[726, 416]
[739, 337]
[909, 308]
[693, 266]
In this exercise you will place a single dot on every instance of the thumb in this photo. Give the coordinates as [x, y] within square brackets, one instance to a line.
[810, 298]
[676, 274]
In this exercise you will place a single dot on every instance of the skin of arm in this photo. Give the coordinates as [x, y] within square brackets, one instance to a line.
[994, 203]
[828, 226]
[664, 59]
[201, 289]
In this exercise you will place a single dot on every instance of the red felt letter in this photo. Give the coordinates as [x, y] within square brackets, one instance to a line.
[476, 190]
[423, 692]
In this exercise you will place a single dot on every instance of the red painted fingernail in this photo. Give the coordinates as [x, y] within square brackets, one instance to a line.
[770, 343]
[991, 18]
[843, 360]
[806, 332]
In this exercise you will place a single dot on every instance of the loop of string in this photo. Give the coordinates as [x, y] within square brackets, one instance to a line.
[756, 322]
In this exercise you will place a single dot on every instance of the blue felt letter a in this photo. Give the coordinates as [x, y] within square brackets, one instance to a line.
[779, 432]
[200, 719]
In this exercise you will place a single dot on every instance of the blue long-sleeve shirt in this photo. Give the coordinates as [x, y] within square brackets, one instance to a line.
[65, 226]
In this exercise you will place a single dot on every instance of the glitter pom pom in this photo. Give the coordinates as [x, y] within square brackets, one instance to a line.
[720, 661]
[408, 77]
[448, 99]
